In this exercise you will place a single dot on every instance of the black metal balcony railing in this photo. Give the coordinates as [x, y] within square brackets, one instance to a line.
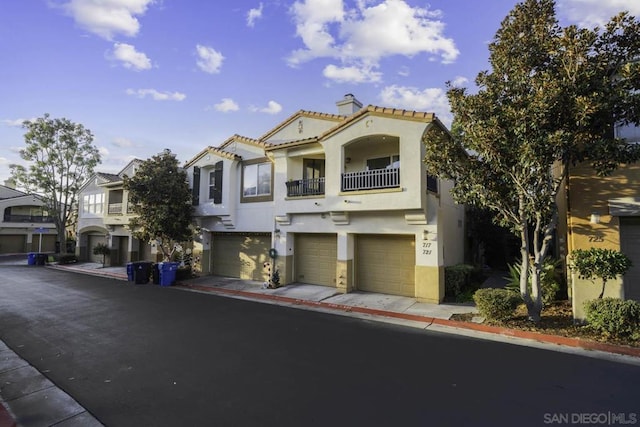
[371, 180]
[28, 218]
[305, 187]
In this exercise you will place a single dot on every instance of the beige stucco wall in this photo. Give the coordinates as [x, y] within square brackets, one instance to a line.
[429, 284]
[589, 194]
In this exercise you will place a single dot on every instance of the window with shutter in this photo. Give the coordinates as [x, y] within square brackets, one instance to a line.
[195, 190]
[215, 183]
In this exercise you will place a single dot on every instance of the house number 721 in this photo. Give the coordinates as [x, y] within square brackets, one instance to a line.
[424, 250]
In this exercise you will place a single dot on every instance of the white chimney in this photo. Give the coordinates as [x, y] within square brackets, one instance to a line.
[348, 105]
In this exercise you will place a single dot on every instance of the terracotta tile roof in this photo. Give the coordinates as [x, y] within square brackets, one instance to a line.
[297, 115]
[243, 139]
[370, 110]
[109, 177]
[216, 152]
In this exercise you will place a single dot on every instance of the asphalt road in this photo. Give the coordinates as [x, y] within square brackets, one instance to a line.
[144, 355]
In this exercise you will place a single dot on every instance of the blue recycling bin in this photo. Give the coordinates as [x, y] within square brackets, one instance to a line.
[168, 273]
[31, 258]
[130, 271]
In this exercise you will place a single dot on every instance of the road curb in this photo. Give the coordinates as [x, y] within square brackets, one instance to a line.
[6, 419]
[478, 327]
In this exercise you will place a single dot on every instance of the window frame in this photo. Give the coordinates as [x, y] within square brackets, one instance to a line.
[257, 197]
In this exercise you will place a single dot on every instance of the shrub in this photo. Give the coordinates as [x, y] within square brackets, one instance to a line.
[614, 317]
[457, 278]
[496, 304]
[101, 249]
[67, 258]
[183, 273]
[599, 263]
[549, 282]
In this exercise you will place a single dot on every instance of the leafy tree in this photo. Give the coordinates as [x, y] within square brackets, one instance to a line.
[552, 99]
[102, 249]
[161, 199]
[599, 263]
[60, 156]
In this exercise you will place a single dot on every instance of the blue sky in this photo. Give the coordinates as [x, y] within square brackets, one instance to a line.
[145, 75]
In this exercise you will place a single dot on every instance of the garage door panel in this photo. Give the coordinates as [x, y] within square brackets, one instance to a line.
[241, 256]
[386, 264]
[12, 243]
[315, 259]
[630, 246]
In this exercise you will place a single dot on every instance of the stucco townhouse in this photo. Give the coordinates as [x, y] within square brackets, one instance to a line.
[602, 212]
[340, 200]
[25, 225]
[103, 216]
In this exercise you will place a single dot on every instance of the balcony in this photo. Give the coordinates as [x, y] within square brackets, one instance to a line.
[28, 218]
[305, 187]
[115, 209]
[371, 179]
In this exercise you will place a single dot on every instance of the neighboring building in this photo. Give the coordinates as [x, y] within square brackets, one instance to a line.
[103, 216]
[603, 212]
[343, 199]
[26, 225]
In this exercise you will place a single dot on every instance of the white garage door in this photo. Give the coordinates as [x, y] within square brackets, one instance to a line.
[241, 255]
[630, 246]
[93, 241]
[12, 243]
[386, 264]
[315, 259]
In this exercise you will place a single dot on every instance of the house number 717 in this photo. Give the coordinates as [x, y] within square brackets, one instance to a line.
[424, 250]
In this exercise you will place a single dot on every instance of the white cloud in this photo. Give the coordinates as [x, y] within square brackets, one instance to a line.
[361, 37]
[15, 122]
[122, 142]
[404, 71]
[210, 60]
[130, 57]
[107, 18]
[589, 13]
[104, 151]
[433, 100]
[253, 15]
[351, 74]
[272, 108]
[459, 81]
[156, 95]
[226, 105]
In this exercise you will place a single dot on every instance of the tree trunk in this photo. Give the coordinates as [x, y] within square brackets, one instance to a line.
[604, 283]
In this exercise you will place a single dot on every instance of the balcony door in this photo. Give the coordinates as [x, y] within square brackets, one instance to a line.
[388, 162]
[313, 169]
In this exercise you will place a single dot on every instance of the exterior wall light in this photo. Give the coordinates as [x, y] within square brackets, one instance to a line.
[595, 218]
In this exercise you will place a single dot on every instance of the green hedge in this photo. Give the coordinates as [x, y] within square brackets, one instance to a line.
[458, 278]
[496, 304]
[66, 258]
[614, 317]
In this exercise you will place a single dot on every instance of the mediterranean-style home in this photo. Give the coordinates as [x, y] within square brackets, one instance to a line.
[103, 215]
[603, 212]
[26, 226]
[340, 200]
